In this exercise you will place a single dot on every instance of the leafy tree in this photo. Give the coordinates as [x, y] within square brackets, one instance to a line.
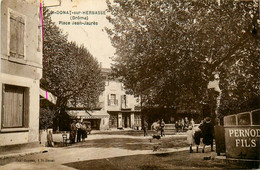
[46, 118]
[167, 51]
[70, 72]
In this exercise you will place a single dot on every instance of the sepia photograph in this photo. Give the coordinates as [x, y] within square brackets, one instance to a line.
[130, 84]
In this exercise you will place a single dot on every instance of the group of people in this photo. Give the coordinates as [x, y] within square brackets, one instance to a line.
[205, 130]
[183, 124]
[78, 129]
[159, 126]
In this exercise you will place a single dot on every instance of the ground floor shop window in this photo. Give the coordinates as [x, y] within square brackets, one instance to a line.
[113, 121]
[138, 120]
[14, 107]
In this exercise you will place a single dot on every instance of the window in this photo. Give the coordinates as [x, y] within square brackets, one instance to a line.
[124, 101]
[14, 112]
[112, 101]
[17, 35]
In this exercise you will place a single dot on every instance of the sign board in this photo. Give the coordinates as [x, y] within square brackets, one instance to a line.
[242, 133]
[242, 142]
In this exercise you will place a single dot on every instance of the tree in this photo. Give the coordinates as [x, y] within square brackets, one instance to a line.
[167, 51]
[70, 72]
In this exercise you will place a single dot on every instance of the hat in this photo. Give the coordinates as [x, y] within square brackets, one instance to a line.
[207, 119]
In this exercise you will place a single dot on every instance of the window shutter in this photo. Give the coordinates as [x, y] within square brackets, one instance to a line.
[126, 101]
[17, 29]
[108, 101]
[13, 37]
[20, 39]
[122, 101]
[13, 114]
[26, 108]
[115, 101]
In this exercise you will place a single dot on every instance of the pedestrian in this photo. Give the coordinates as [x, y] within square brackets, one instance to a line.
[50, 139]
[177, 126]
[197, 136]
[186, 123]
[192, 123]
[182, 124]
[78, 126]
[162, 124]
[190, 138]
[207, 129]
[73, 131]
[83, 131]
[145, 128]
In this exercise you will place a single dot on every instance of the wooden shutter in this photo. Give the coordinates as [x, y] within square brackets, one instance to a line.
[108, 100]
[17, 29]
[13, 36]
[20, 39]
[122, 101]
[126, 101]
[13, 114]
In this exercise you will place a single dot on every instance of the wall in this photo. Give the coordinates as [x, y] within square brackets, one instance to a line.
[24, 72]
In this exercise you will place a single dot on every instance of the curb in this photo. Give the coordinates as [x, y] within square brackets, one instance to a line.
[14, 155]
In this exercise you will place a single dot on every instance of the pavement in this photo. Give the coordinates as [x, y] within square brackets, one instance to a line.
[53, 158]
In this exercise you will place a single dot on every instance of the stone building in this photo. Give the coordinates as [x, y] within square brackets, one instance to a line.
[123, 109]
[115, 110]
[21, 70]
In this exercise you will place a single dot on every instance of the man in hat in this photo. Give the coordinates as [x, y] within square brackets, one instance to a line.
[78, 126]
[207, 129]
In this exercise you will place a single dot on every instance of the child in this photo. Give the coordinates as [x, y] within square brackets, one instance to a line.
[197, 136]
[190, 139]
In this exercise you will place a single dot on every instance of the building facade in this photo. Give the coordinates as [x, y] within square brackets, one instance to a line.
[115, 110]
[21, 70]
[123, 109]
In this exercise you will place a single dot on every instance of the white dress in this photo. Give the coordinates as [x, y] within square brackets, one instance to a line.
[190, 139]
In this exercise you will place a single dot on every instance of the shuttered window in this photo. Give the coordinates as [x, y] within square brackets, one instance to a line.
[14, 107]
[17, 29]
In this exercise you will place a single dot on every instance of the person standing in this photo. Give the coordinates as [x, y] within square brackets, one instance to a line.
[84, 131]
[197, 136]
[192, 122]
[145, 128]
[190, 139]
[207, 129]
[182, 124]
[186, 123]
[73, 131]
[50, 139]
[162, 128]
[78, 126]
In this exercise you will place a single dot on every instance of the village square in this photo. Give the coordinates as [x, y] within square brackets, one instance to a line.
[132, 84]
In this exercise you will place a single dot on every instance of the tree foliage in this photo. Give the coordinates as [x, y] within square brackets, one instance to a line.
[168, 51]
[70, 72]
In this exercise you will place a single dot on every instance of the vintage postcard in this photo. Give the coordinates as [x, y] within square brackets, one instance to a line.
[130, 84]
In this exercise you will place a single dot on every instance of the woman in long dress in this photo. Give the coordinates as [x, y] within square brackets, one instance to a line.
[207, 132]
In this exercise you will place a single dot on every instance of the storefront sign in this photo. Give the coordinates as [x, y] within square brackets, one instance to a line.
[242, 142]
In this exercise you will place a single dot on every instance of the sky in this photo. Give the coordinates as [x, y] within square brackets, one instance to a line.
[93, 37]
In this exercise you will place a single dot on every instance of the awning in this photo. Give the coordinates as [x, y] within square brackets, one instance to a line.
[88, 114]
[48, 96]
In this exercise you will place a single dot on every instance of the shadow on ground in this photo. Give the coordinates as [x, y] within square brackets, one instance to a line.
[134, 144]
[177, 160]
